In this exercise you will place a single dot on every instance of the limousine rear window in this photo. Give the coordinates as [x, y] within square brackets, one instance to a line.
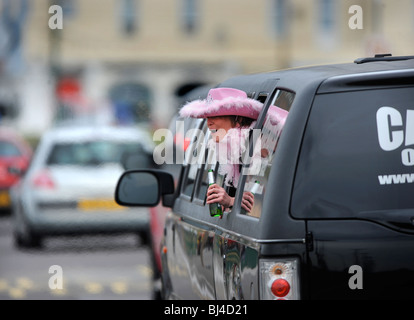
[357, 155]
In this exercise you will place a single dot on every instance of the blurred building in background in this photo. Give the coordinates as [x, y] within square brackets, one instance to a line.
[130, 61]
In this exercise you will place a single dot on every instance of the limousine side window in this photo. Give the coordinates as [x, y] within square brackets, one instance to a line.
[210, 162]
[199, 160]
[265, 148]
[207, 164]
[192, 158]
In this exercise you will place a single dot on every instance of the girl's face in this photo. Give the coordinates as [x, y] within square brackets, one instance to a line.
[219, 126]
[217, 123]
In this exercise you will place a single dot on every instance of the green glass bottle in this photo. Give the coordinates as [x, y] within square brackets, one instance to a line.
[215, 208]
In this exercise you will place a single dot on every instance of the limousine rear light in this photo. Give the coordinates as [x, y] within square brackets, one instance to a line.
[279, 279]
[280, 288]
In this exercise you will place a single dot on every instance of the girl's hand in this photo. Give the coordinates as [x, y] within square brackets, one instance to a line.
[216, 193]
[247, 201]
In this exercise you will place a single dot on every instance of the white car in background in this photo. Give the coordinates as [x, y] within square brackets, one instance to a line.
[70, 184]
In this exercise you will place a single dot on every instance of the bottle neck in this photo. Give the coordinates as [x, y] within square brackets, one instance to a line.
[255, 188]
[210, 178]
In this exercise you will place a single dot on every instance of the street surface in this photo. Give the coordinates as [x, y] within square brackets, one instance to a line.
[86, 268]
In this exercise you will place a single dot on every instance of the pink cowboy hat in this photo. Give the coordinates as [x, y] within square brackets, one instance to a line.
[223, 102]
[276, 115]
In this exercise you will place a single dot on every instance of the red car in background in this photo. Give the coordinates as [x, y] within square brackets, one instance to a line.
[15, 155]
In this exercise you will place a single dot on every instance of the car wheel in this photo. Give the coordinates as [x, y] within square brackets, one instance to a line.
[24, 237]
[145, 238]
[28, 240]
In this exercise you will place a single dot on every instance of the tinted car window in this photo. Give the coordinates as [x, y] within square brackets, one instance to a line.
[266, 147]
[194, 157]
[208, 163]
[88, 153]
[357, 155]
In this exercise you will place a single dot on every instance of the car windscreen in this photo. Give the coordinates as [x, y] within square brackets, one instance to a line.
[357, 155]
[89, 153]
